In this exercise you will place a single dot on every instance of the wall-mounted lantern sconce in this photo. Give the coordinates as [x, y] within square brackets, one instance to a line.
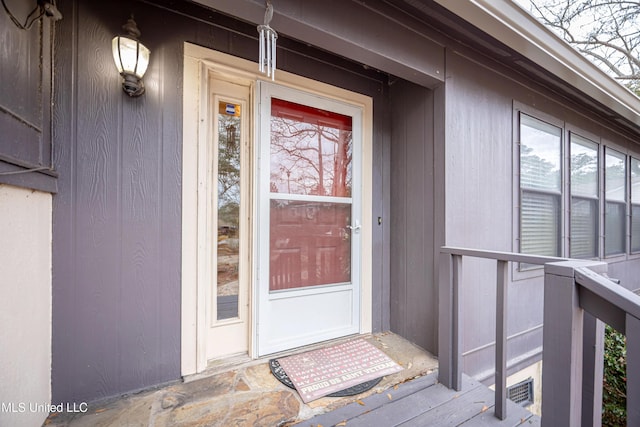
[131, 57]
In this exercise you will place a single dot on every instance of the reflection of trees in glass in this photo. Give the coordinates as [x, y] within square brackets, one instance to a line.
[540, 155]
[228, 170]
[584, 164]
[615, 177]
[310, 158]
[584, 173]
[537, 172]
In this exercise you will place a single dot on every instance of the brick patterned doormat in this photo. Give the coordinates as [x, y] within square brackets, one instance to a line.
[318, 373]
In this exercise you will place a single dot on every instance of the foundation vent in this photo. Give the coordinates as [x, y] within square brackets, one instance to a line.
[521, 393]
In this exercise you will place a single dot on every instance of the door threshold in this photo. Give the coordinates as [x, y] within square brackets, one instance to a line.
[242, 360]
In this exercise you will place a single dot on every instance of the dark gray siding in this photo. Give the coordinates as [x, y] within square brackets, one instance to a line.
[116, 243]
[117, 217]
[482, 199]
[413, 297]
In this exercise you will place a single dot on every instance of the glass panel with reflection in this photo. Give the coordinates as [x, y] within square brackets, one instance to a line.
[228, 209]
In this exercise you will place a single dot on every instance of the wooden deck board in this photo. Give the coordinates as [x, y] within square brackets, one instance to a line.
[455, 410]
[424, 402]
[516, 416]
[403, 410]
[372, 402]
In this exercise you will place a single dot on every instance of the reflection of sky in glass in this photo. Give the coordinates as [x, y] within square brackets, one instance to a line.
[615, 173]
[310, 151]
[584, 167]
[540, 155]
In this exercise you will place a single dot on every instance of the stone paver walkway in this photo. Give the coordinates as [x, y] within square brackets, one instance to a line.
[245, 395]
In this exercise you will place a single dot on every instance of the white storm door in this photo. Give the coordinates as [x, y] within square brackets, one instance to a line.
[309, 233]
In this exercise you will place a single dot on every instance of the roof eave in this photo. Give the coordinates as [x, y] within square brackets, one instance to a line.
[511, 25]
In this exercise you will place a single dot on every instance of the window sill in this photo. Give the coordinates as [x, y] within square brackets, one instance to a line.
[25, 177]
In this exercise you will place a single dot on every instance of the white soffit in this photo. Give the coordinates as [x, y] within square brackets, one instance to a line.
[510, 24]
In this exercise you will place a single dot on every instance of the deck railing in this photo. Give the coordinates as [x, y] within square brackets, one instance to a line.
[571, 294]
[572, 288]
[449, 317]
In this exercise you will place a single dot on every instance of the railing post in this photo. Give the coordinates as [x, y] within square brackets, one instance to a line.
[562, 348]
[632, 331]
[592, 371]
[501, 340]
[449, 348]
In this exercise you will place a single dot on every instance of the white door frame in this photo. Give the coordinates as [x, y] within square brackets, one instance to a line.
[197, 62]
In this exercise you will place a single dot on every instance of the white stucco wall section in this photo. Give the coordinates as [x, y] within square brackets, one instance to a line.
[25, 305]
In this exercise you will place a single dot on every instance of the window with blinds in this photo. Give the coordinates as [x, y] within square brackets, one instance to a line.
[615, 203]
[584, 198]
[578, 197]
[540, 187]
[635, 205]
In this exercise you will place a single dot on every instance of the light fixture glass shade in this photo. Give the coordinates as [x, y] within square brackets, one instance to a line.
[131, 58]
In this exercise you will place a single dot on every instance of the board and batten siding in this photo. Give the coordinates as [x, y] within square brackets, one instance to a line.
[117, 216]
[25, 305]
[116, 291]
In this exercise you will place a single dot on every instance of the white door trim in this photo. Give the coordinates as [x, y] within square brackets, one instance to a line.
[197, 62]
